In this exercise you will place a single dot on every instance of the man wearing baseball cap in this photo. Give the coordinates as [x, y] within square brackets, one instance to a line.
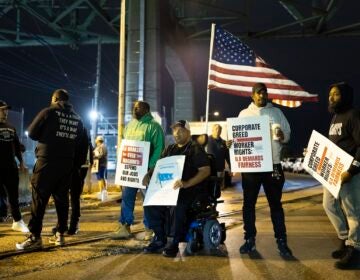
[10, 148]
[196, 170]
[272, 182]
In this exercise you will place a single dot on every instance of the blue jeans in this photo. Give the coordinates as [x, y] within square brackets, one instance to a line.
[344, 212]
[128, 205]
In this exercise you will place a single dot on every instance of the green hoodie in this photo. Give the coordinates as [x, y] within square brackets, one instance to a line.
[147, 129]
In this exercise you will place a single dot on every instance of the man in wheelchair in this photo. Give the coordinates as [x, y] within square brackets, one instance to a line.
[192, 185]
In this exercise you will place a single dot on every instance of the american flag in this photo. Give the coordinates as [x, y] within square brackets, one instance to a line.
[234, 68]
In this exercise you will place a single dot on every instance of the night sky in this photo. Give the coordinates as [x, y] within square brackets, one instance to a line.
[29, 75]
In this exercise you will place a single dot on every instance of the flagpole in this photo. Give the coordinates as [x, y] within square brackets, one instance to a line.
[121, 101]
[208, 90]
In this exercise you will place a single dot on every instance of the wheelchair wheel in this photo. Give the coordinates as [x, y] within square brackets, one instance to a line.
[212, 234]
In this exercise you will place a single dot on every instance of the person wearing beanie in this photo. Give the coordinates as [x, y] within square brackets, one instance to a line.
[344, 212]
[10, 147]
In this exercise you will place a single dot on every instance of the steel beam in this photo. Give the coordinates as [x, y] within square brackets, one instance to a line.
[102, 14]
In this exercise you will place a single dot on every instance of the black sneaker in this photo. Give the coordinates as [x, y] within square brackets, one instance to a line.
[171, 250]
[248, 246]
[340, 252]
[73, 229]
[31, 243]
[54, 230]
[156, 246]
[283, 248]
[350, 259]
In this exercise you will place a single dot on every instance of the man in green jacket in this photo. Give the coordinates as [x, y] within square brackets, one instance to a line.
[142, 127]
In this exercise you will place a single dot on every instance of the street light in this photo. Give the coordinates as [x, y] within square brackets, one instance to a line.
[216, 114]
[93, 115]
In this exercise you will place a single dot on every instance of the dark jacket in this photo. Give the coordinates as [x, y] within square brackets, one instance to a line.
[345, 133]
[58, 130]
[84, 151]
[9, 146]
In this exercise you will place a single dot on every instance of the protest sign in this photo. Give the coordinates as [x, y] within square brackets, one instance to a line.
[132, 164]
[325, 162]
[161, 188]
[251, 148]
[95, 166]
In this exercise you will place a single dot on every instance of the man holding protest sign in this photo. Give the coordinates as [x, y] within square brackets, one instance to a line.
[142, 127]
[344, 212]
[272, 182]
[196, 170]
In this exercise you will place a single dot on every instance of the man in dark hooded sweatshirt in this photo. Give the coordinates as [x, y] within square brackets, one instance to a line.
[58, 130]
[344, 212]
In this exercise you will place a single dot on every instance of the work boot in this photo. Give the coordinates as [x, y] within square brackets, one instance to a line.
[248, 246]
[283, 248]
[171, 250]
[339, 253]
[149, 233]
[156, 245]
[31, 243]
[122, 232]
[58, 239]
[350, 259]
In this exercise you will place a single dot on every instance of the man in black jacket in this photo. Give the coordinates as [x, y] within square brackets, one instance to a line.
[83, 160]
[58, 130]
[192, 183]
[10, 148]
[344, 212]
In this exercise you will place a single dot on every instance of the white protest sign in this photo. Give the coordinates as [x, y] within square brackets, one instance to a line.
[160, 190]
[132, 164]
[251, 148]
[325, 162]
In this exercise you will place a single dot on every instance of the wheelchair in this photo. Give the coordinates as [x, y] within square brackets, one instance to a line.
[205, 232]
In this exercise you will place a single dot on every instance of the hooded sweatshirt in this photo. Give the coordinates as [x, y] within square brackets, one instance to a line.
[276, 116]
[345, 126]
[147, 129]
[58, 130]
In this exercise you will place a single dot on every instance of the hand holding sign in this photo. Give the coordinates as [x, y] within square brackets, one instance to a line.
[327, 163]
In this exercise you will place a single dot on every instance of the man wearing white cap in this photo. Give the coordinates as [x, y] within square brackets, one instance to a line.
[101, 154]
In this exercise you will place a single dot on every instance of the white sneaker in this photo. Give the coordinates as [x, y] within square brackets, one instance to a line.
[20, 226]
[31, 243]
[104, 195]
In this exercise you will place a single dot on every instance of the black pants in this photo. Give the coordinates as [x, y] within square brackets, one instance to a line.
[273, 183]
[3, 204]
[163, 218]
[50, 178]
[9, 180]
[76, 189]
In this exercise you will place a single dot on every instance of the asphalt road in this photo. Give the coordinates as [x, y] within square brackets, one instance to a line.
[311, 237]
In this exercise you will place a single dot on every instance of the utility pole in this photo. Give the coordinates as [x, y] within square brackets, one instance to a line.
[94, 122]
[121, 109]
